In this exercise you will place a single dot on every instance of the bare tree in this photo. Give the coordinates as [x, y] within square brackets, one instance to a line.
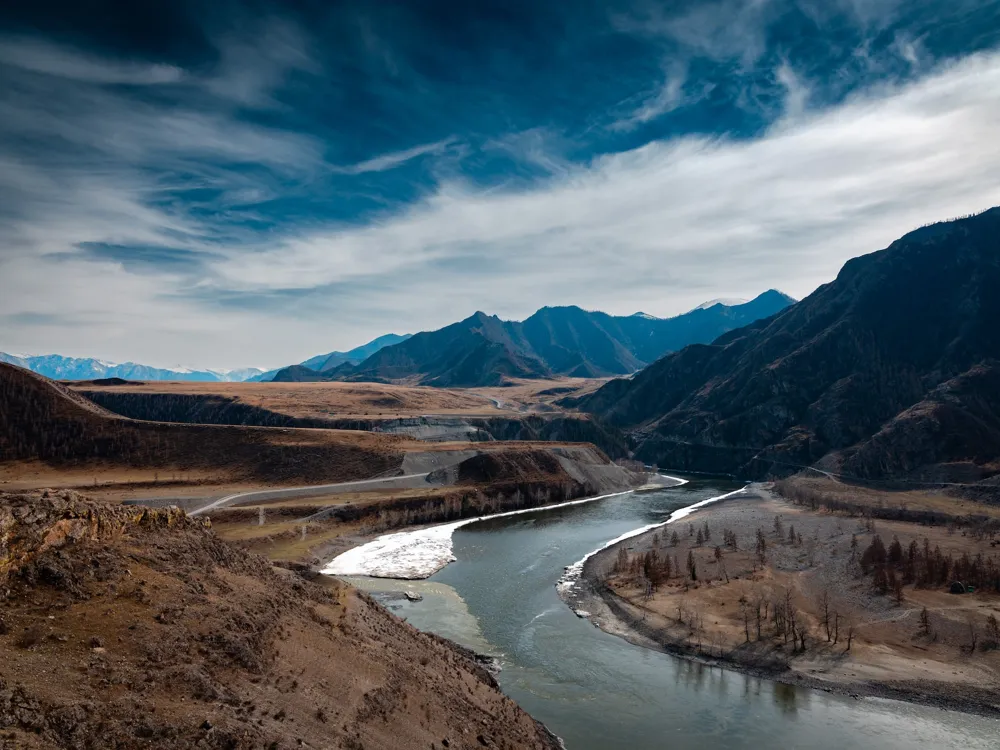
[824, 610]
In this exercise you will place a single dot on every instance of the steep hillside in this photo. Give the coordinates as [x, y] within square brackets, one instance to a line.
[865, 351]
[483, 350]
[129, 627]
[45, 421]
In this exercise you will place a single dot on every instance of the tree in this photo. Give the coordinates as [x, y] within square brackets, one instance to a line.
[824, 611]
[692, 568]
[674, 540]
[761, 547]
[700, 540]
[791, 534]
[779, 528]
[925, 622]
[708, 532]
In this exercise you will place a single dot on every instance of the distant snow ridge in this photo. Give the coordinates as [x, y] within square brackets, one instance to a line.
[573, 572]
[727, 301]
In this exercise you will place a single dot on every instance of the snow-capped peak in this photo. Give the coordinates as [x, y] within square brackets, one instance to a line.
[727, 301]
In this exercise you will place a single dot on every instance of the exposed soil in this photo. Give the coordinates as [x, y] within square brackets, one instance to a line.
[895, 650]
[128, 627]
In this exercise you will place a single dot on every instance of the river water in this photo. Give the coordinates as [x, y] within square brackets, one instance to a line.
[598, 691]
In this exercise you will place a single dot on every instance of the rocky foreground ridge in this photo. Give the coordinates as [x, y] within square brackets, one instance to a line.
[127, 627]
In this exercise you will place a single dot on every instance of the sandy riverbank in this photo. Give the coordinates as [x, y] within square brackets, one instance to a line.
[713, 619]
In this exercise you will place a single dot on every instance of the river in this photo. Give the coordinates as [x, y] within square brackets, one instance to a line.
[598, 691]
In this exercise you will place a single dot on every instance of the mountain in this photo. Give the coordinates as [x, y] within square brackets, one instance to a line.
[484, 350]
[72, 368]
[330, 360]
[891, 370]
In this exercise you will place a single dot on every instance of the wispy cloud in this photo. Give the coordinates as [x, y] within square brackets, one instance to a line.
[39, 56]
[672, 219]
[665, 98]
[385, 162]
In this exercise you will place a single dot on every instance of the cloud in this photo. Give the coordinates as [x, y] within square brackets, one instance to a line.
[39, 56]
[196, 214]
[665, 98]
[256, 59]
[385, 162]
[655, 227]
[796, 91]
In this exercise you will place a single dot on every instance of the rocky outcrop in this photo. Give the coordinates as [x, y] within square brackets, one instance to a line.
[32, 524]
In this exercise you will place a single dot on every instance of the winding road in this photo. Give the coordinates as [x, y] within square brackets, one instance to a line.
[405, 481]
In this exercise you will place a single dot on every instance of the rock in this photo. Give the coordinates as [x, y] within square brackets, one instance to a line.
[413, 596]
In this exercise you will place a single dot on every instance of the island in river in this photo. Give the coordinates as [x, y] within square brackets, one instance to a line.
[818, 584]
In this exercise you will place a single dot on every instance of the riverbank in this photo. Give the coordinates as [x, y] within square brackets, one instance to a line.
[814, 580]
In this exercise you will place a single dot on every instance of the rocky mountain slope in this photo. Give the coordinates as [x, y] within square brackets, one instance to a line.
[890, 370]
[484, 350]
[131, 627]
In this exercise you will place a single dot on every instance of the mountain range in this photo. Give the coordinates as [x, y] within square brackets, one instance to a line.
[58, 367]
[484, 350]
[891, 370]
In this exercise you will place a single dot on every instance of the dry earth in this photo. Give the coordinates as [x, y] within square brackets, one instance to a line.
[373, 400]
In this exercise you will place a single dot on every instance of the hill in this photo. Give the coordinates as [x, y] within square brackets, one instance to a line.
[58, 367]
[888, 371]
[48, 422]
[133, 627]
[483, 350]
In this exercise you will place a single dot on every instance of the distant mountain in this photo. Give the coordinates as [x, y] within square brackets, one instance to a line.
[484, 350]
[72, 368]
[330, 360]
[893, 369]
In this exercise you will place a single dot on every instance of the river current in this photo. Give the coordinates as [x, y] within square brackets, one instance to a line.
[598, 691]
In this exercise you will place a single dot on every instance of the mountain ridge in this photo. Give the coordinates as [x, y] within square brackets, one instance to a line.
[823, 378]
[483, 350]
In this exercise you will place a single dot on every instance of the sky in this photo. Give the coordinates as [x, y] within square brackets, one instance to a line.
[234, 184]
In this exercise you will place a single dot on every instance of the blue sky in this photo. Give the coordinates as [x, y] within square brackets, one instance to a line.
[228, 184]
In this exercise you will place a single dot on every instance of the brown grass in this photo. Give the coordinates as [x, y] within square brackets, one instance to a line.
[372, 400]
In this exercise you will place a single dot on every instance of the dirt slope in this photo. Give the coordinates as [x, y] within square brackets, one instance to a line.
[45, 421]
[127, 627]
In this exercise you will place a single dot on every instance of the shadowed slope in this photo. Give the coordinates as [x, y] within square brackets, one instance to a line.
[831, 370]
